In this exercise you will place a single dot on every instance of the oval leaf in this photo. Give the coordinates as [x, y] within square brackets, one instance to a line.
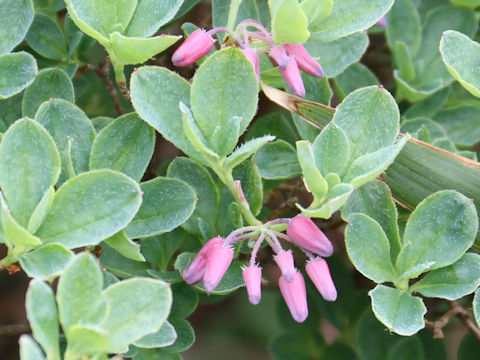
[17, 71]
[46, 37]
[17, 16]
[46, 262]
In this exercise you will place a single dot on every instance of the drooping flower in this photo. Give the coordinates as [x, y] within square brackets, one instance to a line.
[279, 56]
[196, 270]
[292, 77]
[295, 296]
[252, 56]
[304, 60]
[286, 264]
[304, 233]
[197, 45]
[252, 275]
[318, 271]
[218, 260]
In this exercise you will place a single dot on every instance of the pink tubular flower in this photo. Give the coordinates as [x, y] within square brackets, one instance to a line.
[382, 22]
[197, 45]
[279, 56]
[319, 273]
[304, 60]
[295, 296]
[285, 262]
[195, 271]
[292, 77]
[218, 260]
[304, 233]
[252, 56]
[253, 280]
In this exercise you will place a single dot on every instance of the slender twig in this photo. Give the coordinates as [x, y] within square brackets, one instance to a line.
[456, 310]
[15, 329]
[103, 71]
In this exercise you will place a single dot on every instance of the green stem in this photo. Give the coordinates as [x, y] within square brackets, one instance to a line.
[232, 15]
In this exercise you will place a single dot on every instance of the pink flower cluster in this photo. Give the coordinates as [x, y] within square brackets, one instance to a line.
[216, 255]
[289, 58]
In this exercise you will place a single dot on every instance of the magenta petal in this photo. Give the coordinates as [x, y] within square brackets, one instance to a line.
[196, 270]
[253, 281]
[304, 60]
[292, 77]
[286, 264]
[304, 233]
[218, 260]
[279, 56]
[319, 273]
[252, 56]
[295, 296]
[197, 45]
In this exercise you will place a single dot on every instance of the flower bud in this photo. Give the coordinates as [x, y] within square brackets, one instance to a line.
[197, 45]
[295, 296]
[285, 262]
[252, 56]
[196, 270]
[218, 260]
[319, 273]
[304, 60]
[253, 281]
[278, 56]
[304, 233]
[292, 77]
[382, 22]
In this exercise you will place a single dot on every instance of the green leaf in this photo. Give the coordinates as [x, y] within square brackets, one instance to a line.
[49, 83]
[476, 307]
[439, 231]
[137, 307]
[46, 37]
[79, 292]
[461, 55]
[331, 150]
[43, 317]
[150, 15]
[72, 131]
[12, 231]
[317, 185]
[167, 203]
[159, 107]
[101, 122]
[125, 246]
[399, 311]
[294, 344]
[336, 55]
[367, 167]
[434, 130]
[185, 300]
[231, 281]
[46, 262]
[29, 164]
[340, 351]
[461, 122]
[251, 182]
[370, 119]
[375, 200]
[246, 150]
[201, 181]
[277, 160]
[349, 16]
[369, 249]
[467, 3]
[120, 266]
[337, 196]
[100, 22]
[406, 349]
[289, 23]
[404, 26]
[451, 282]
[354, 77]
[29, 350]
[134, 50]
[17, 17]
[17, 71]
[185, 336]
[315, 10]
[126, 145]
[429, 106]
[164, 337]
[215, 87]
[89, 208]
[41, 210]
[86, 340]
[468, 349]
